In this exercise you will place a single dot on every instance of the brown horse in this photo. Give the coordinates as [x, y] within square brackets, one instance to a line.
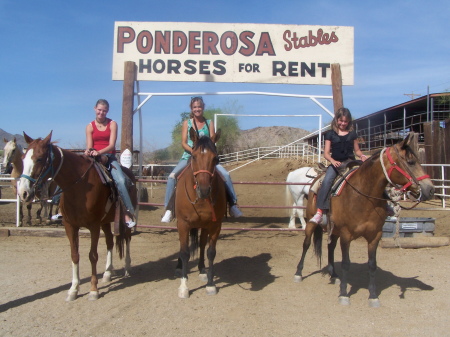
[12, 161]
[85, 202]
[200, 202]
[360, 210]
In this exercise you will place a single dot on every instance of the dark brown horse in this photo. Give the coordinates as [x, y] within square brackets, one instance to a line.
[84, 203]
[360, 210]
[200, 202]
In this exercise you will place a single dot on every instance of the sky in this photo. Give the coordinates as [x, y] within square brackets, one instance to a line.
[56, 61]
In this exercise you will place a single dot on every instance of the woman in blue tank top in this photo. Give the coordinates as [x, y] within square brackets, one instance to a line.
[205, 127]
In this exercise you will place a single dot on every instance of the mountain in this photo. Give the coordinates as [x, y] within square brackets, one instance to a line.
[268, 136]
[19, 138]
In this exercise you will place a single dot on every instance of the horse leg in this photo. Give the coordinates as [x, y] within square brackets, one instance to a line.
[201, 261]
[72, 235]
[210, 287]
[29, 217]
[292, 219]
[109, 269]
[306, 244]
[374, 302]
[183, 290]
[345, 248]
[334, 278]
[93, 257]
[127, 265]
[38, 218]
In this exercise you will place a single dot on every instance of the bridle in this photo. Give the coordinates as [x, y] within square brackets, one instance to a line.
[394, 166]
[48, 168]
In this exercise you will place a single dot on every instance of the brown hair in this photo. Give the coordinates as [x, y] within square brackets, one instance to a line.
[102, 102]
[342, 112]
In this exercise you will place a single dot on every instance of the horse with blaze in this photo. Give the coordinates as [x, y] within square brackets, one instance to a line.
[86, 202]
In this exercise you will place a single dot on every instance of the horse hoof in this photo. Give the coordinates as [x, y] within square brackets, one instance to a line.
[203, 277]
[71, 297]
[93, 296]
[106, 277]
[335, 280]
[374, 303]
[298, 278]
[211, 290]
[183, 293]
[344, 300]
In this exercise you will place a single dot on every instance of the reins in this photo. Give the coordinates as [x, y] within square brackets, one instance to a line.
[387, 174]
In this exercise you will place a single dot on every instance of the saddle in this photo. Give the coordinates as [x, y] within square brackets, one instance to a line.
[347, 168]
[100, 164]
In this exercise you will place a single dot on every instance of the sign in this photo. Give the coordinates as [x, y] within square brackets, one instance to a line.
[126, 158]
[233, 52]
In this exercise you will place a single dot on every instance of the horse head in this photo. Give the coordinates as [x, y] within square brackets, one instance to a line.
[10, 151]
[204, 159]
[37, 166]
[405, 172]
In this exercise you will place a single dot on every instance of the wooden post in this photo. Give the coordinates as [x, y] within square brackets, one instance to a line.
[336, 84]
[127, 106]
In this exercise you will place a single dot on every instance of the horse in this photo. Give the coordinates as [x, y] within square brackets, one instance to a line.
[13, 164]
[85, 202]
[297, 193]
[200, 203]
[360, 210]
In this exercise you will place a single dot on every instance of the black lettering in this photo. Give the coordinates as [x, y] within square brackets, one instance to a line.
[219, 67]
[305, 69]
[204, 68]
[143, 66]
[278, 67]
[293, 70]
[190, 64]
[161, 64]
[173, 66]
[324, 67]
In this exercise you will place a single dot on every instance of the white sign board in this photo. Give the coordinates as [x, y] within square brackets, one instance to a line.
[126, 158]
[233, 52]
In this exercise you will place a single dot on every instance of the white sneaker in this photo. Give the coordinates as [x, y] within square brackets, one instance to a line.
[167, 216]
[317, 218]
[57, 217]
[235, 212]
[130, 224]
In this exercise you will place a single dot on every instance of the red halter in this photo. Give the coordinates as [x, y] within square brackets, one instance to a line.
[394, 166]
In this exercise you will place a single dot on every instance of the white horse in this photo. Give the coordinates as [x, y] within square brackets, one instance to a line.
[298, 192]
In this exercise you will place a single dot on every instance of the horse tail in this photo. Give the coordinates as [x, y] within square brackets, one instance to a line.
[193, 233]
[317, 239]
[124, 234]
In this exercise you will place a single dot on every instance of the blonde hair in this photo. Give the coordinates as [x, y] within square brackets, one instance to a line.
[342, 112]
[196, 99]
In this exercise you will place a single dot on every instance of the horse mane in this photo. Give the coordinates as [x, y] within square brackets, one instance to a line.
[203, 143]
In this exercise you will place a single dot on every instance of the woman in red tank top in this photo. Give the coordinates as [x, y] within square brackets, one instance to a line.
[101, 136]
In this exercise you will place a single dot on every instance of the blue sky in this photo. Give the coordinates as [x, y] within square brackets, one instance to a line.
[56, 61]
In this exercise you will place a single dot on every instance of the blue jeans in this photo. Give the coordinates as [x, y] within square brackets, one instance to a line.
[121, 182]
[323, 199]
[171, 181]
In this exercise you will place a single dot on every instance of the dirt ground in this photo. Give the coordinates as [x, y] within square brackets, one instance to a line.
[254, 275]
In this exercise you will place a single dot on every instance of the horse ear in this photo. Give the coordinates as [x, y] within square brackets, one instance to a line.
[49, 137]
[193, 135]
[216, 137]
[28, 139]
[4, 139]
[409, 138]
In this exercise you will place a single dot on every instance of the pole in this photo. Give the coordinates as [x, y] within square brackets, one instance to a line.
[336, 84]
[127, 106]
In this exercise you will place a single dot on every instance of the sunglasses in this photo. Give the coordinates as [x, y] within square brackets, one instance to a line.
[196, 98]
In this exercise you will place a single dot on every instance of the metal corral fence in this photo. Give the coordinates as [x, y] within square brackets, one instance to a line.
[307, 152]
